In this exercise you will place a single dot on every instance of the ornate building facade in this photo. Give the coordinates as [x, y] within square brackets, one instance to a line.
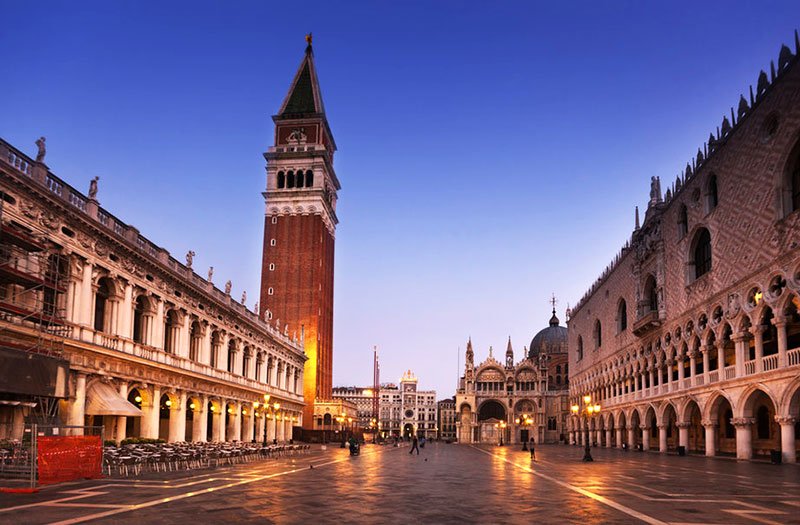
[691, 337]
[405, 410]
[300, 227]
[513, 402]
[115, 331]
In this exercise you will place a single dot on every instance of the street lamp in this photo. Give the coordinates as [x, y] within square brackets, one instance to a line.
[264, 414]
[589, 410]
[502, 427]
[340, 420]
[524, 421]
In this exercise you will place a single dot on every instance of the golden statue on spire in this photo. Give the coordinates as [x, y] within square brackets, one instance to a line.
[308, 39]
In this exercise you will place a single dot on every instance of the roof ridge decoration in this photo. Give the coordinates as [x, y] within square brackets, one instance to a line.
[786, 60]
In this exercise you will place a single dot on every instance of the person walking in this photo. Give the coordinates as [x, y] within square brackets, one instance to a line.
[533, 454]
[414, 446]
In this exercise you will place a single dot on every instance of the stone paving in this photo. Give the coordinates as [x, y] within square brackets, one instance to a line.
[444, 484]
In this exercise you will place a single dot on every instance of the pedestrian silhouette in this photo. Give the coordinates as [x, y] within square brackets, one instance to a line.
[414, 446]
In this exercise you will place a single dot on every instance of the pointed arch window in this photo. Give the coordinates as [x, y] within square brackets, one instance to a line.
[281, 180]
[712, 194]
[580, 348]
[683, 222]
[650, 295]
[290, 179]
[299, 178]
[309, 179]
[598, 334]
[100, 305]
[622, 316]
[701, 253]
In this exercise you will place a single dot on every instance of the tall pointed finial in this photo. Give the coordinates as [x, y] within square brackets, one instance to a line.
[636, 227]
[309, 38]
[553, 301]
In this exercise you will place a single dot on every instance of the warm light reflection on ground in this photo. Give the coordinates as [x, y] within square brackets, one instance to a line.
[444, 484]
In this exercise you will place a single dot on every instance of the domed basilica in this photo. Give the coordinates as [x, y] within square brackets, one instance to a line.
[514, 402]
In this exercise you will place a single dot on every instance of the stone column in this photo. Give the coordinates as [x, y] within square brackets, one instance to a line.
[668, 366]
[758, 336]
[184, 339]
[279, 429]
[692, 364]
[780, 324]
[619, 438]
[174, 433]
[199, 421]
[237, 422]
[205, 345]
[631, 437]
[645, 437]
[182, 417]
[788, 450]
[126, 314]
[289, 428]
[744, 437]
[217, 419]
[738, 345]
[711, 437]
[271, 429]
[157, 339]
[249, 425]
[705, 349]
[683, 434]
[260, 428]
[652, 378]
[77, 406]
[662, 438]
[608, 438]
[679, 362]
[86, 303]
[122, 421]
[155, 413]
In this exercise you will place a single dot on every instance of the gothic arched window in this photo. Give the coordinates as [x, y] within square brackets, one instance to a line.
[299, 178]
[281, 180]
[622, 316]
[580, 348]
[290, 179]
[651, 293]
[701, 253]
[712, 195]
[598, 334]
[683, 222]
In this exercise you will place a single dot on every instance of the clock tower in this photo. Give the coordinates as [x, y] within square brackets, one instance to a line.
[300, 227]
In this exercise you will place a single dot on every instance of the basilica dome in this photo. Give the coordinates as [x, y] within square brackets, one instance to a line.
[551, 340]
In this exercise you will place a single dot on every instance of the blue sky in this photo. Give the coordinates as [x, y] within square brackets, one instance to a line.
[490, 153]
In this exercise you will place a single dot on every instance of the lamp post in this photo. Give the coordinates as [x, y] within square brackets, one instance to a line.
[589, 410]
[502, 427]
[340, 420]
[524, 421]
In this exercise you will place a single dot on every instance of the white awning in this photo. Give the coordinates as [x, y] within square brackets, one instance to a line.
[103, 399]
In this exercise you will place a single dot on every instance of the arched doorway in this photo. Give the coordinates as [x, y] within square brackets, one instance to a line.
[636, 433]
[669, 418]
[491, 414]
[408, 431]
[697, 434]
[650, 433]
[721, 414]
[611, 438]
[764, 431]
[622, 430]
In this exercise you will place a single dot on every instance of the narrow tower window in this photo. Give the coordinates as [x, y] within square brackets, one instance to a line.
[309, 179]
[298, 179]
[290, 179]
[281, 180]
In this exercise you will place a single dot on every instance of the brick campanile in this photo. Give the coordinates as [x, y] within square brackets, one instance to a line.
[300, 228]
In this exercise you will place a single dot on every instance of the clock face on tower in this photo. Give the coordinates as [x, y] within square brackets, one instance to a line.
[409, 414]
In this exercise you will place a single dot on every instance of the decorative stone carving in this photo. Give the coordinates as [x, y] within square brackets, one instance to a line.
[190, 258]
[743, 421]
[228, 286]
[210, 274]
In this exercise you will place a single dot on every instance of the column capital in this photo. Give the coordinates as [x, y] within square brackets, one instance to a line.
[785, 420]
[743, 421]
[644, 428]
[709, 423]
[662, 426]
[684, 424]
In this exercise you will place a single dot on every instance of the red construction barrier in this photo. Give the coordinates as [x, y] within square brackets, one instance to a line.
[67, 458]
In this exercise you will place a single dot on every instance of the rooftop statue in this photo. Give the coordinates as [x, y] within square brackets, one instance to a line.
[93, 188]
[42, 149]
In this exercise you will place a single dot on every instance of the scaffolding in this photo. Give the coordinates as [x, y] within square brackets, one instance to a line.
[32, 296]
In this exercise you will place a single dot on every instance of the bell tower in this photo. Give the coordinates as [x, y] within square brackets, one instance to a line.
[300, 227]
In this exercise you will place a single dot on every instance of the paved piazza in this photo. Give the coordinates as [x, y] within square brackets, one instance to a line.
[445, 484]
